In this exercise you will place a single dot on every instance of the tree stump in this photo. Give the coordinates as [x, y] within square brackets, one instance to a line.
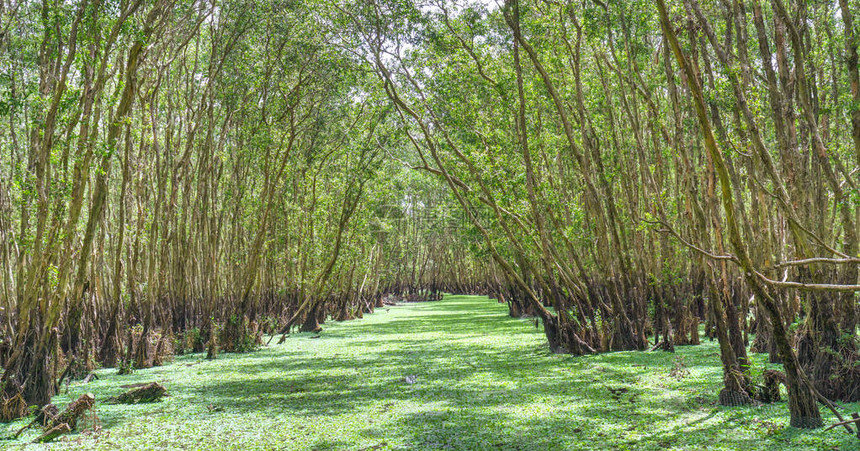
[212, 353]
[47, 414]
[56, 424]
[74, 411]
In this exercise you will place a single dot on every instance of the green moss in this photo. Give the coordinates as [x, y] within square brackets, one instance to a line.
[483, 381]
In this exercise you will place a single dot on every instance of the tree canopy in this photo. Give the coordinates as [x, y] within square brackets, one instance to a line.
[196, 175]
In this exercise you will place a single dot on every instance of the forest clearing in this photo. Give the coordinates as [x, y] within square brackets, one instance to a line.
[482, 381]
[209, 209]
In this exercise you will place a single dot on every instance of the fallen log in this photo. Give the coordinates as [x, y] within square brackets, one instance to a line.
[150, 392]
[53, 433]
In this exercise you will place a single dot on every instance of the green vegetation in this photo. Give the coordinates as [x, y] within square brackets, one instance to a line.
[483, 380]
[631, 176]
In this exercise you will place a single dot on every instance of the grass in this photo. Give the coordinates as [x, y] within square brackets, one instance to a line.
[482, 381]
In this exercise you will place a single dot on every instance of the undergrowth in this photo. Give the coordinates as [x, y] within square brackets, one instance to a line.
[457, 374]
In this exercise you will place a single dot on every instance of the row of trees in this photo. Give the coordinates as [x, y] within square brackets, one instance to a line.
[186, 174]
[624, 171]
[641, 168]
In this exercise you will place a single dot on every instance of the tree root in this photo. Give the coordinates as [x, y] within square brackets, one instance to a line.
[56, 424]
[13, 408]
[53, 433]
[769, 392]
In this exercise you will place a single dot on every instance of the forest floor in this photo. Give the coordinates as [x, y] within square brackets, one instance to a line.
[458, 374]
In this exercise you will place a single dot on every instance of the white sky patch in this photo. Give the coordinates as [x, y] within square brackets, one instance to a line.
[456, 6]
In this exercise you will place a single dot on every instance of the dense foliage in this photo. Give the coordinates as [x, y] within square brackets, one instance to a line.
[186, 176]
